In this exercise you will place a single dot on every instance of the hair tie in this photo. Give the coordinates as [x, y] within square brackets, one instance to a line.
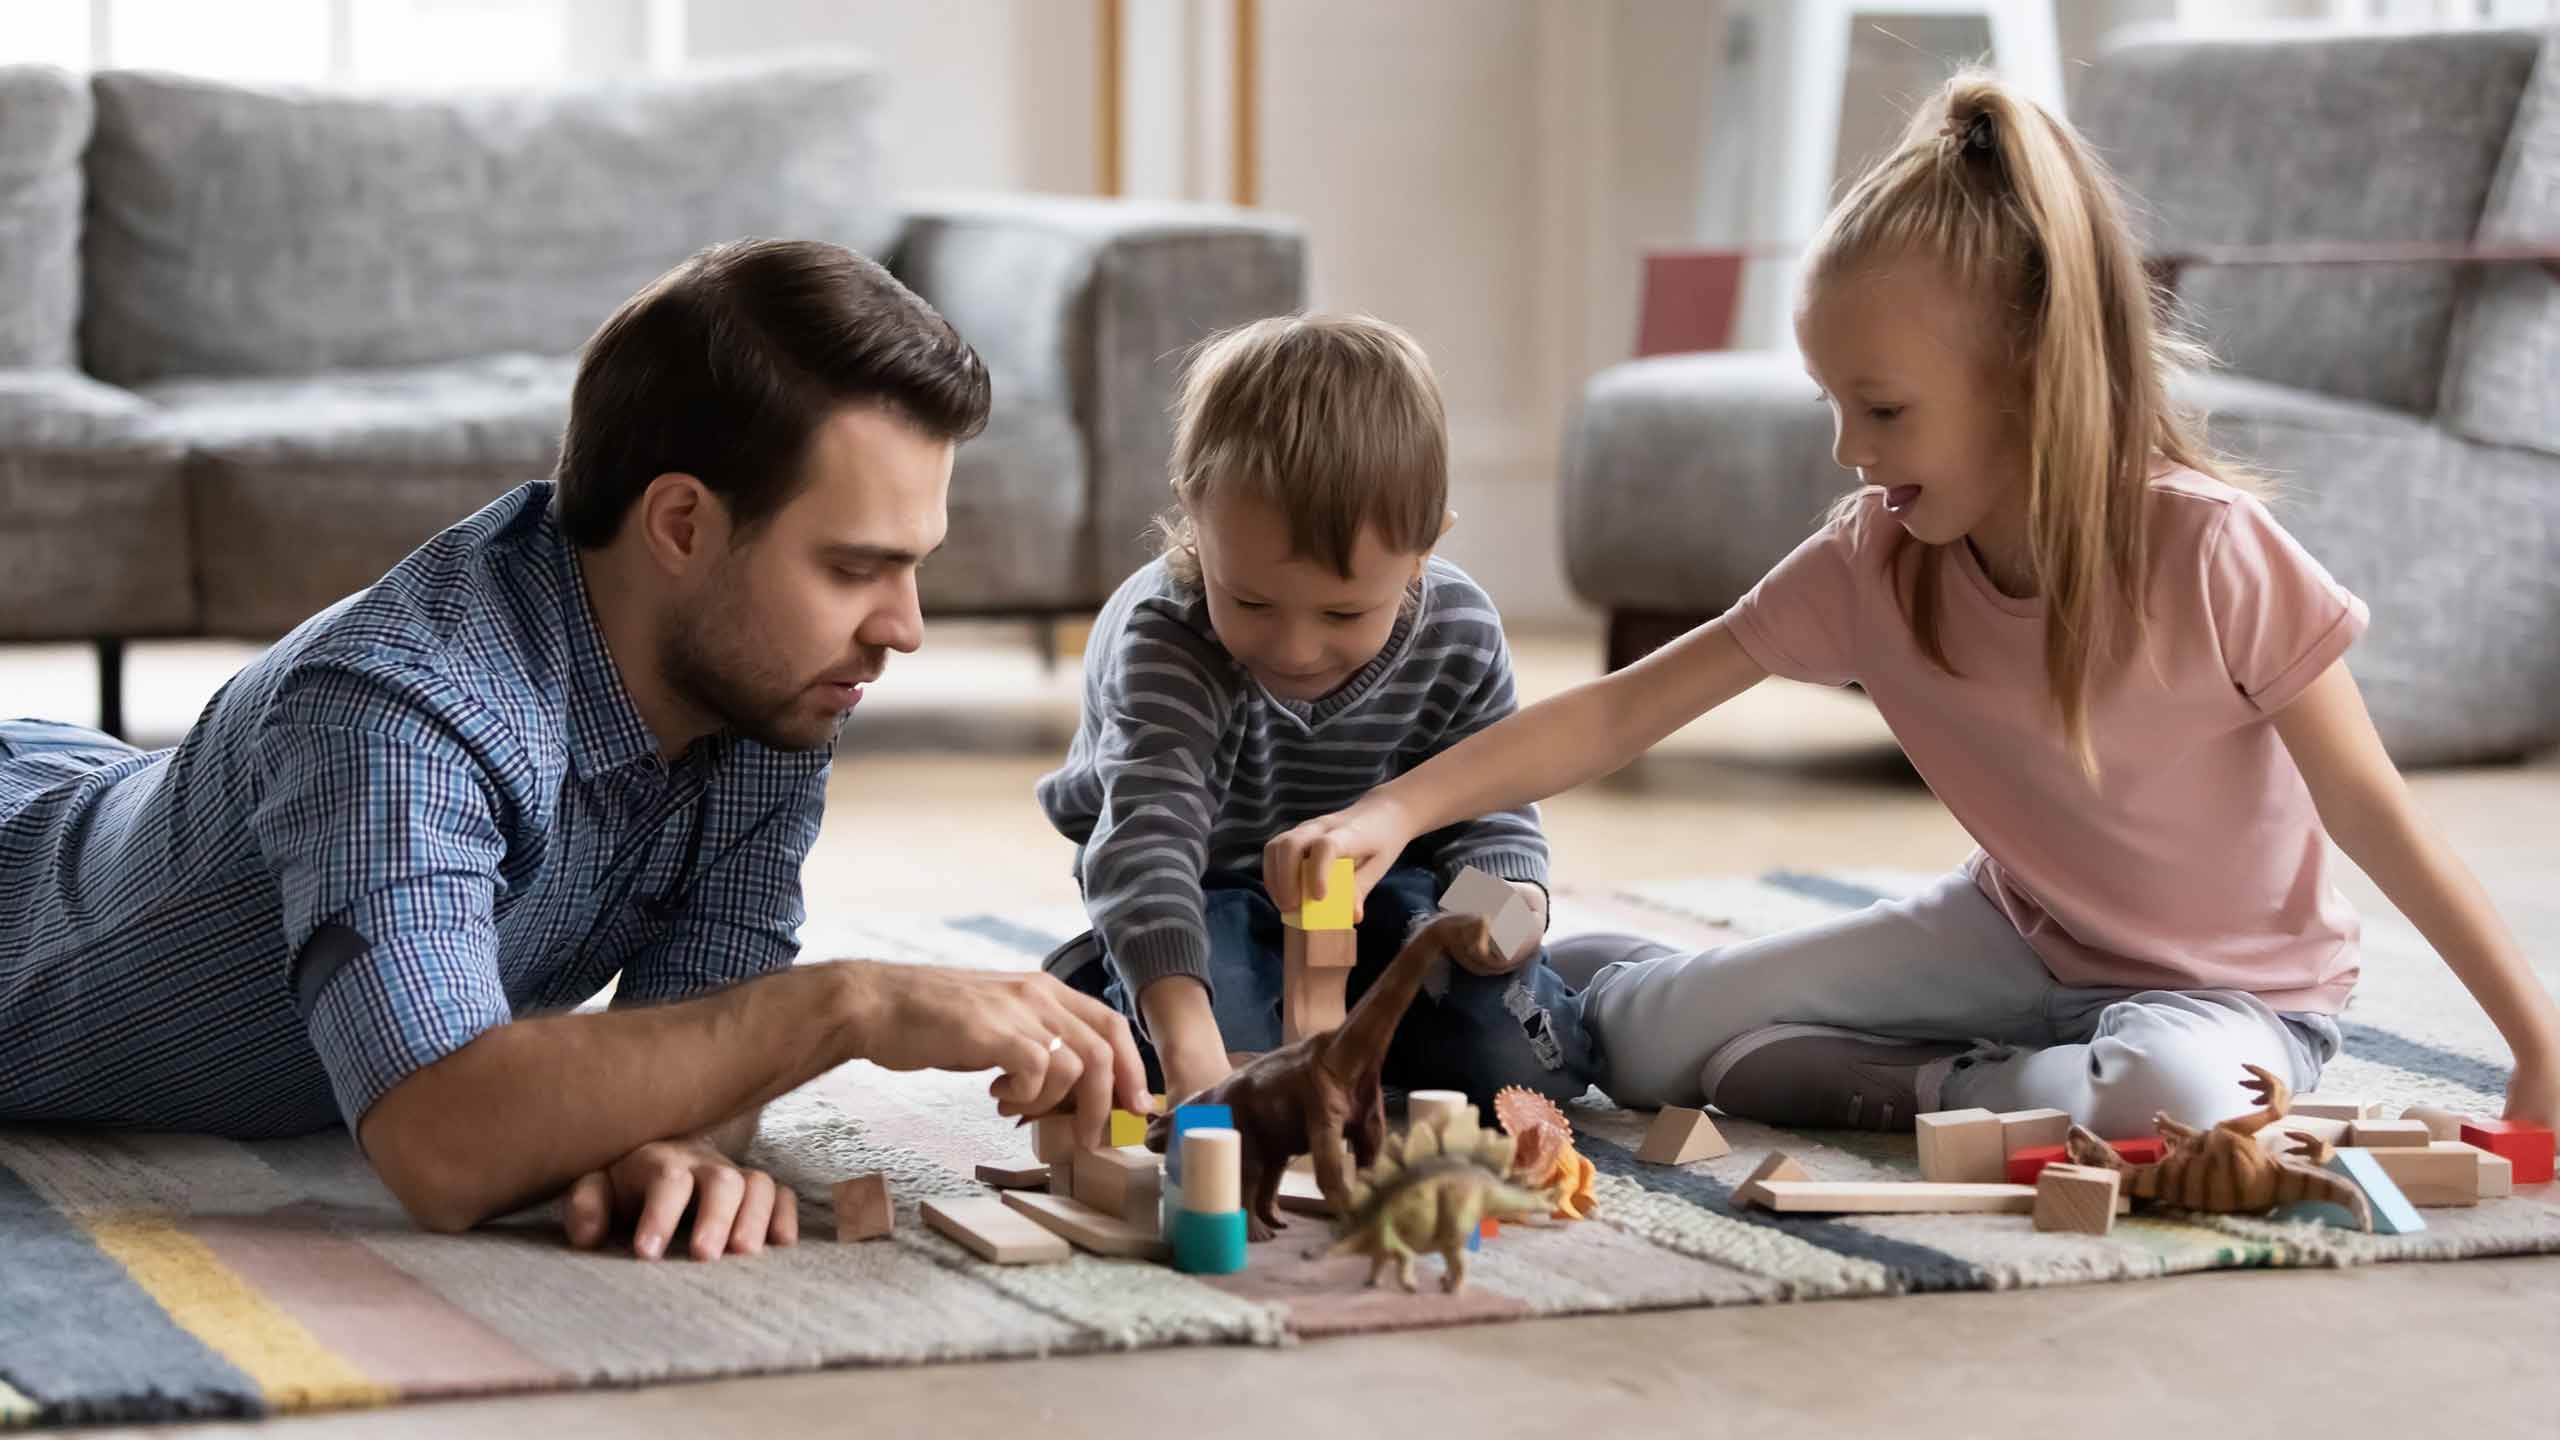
[1978, 133]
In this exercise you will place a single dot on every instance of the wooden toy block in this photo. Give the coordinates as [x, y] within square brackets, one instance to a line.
[1777, 1166]
[1961, 1147]
[1124, 1182]
[2442, 1124]
[2429, 1177]
[1499, 904]
[993, 1230]
[2277, 1139]
[2527, 1147]
[1053, 1138]
[1003, 1177]
[1088, 1228]
[2392, 1212]
[1430, 1107]
[2382, 1134]
[1333, 912]
[1187, 1118]
[862, 1208]
[2079, 1198]
[2026, 1129]
[2341, 1108]
[2497, 1172]
[1867, 1197]
[1315, 972]
[1680, 1136]
[1301, 1195]
[1212, 1170]
[2023, 1167]
[1127, 1128]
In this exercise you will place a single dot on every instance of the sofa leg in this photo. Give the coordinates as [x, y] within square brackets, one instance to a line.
[111, 686]
[1634, 634]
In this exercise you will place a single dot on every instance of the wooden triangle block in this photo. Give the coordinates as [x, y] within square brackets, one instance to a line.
[1679, 1136]
[1780, 1166]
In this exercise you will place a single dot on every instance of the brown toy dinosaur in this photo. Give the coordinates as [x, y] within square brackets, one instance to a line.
[2225, 1170]
[1315, 1093]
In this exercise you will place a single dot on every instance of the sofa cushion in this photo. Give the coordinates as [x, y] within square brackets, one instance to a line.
[1687, 476]
[1020, 536]
[307, 488]
[2451, 544]
[2504, 369]
[44, 125]
[242, 231]
[95, 534]
[2371, 139]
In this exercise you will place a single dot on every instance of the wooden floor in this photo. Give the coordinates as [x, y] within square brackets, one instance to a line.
[931, 809]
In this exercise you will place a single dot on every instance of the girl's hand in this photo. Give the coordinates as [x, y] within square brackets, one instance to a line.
[1372, 833]
[2533, 1096]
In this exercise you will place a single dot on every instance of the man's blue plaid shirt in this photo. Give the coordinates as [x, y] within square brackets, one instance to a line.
[444, 778]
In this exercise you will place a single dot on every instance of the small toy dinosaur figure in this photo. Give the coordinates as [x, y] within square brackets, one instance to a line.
[1427, 1191]
[1315, 1093]
[1546, 1160]
[2224, 1170]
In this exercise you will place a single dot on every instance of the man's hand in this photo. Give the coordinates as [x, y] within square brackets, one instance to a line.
[654, 1187]
[1056, 1047]
[1372, 832]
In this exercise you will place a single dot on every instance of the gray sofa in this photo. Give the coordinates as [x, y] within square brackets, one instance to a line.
[256, 345]
[2410, 412]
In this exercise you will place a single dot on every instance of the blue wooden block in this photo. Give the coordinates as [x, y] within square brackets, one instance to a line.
[2392, 1212]
[1192, 1117]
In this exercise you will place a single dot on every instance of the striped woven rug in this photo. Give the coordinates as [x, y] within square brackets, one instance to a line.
[158, 1277]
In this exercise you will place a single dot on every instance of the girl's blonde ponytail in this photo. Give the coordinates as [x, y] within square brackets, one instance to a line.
[2013, 203]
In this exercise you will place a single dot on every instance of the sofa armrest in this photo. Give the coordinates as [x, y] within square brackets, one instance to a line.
[1091, 306]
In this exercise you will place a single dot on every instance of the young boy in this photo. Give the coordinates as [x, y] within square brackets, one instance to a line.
[1295, 645]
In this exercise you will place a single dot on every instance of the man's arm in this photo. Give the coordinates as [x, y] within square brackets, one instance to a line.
[531, 1105]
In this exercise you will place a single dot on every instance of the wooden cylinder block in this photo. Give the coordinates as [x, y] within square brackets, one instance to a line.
[1212, 1170]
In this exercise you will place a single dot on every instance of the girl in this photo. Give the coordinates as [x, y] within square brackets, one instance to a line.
[2107, 659]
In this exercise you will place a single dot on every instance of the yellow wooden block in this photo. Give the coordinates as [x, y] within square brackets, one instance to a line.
[1127, 1128]
[1333, 912]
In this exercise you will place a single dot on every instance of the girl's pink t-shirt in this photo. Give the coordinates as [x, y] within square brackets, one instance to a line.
[2196, 861]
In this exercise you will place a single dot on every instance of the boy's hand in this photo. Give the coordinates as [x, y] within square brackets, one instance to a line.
[1371, 832]
[2533, 1095]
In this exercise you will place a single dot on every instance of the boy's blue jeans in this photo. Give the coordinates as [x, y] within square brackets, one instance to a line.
[1466, 1032]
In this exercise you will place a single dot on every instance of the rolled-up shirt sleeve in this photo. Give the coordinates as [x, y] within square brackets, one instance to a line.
[377, 819]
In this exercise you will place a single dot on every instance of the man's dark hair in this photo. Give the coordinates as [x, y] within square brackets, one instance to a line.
[724, 367]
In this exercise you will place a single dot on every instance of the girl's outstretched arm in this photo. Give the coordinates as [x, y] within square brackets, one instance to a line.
[2368, 810]
[1560, 742]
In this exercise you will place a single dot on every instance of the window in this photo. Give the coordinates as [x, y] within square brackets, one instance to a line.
[391, 43]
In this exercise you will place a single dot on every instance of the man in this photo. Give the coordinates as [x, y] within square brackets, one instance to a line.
[584, 733]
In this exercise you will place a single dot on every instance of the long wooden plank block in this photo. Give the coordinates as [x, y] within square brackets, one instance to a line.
[983, 1224]
[1090, 1228]
[1863, 1197]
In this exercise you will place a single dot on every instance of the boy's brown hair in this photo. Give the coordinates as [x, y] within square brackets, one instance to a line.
[1334, 419]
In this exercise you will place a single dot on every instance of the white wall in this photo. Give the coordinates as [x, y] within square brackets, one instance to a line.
[985, 93]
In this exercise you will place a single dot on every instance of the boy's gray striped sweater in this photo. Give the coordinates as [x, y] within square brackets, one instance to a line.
[1183, 764]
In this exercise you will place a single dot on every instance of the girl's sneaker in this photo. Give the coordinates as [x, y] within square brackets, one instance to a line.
[1821, 1077]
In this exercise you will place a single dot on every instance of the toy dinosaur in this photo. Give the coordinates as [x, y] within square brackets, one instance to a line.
[1315, 1093]
[2225, 1170]
[1546, 1160]
[1430, 1187]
